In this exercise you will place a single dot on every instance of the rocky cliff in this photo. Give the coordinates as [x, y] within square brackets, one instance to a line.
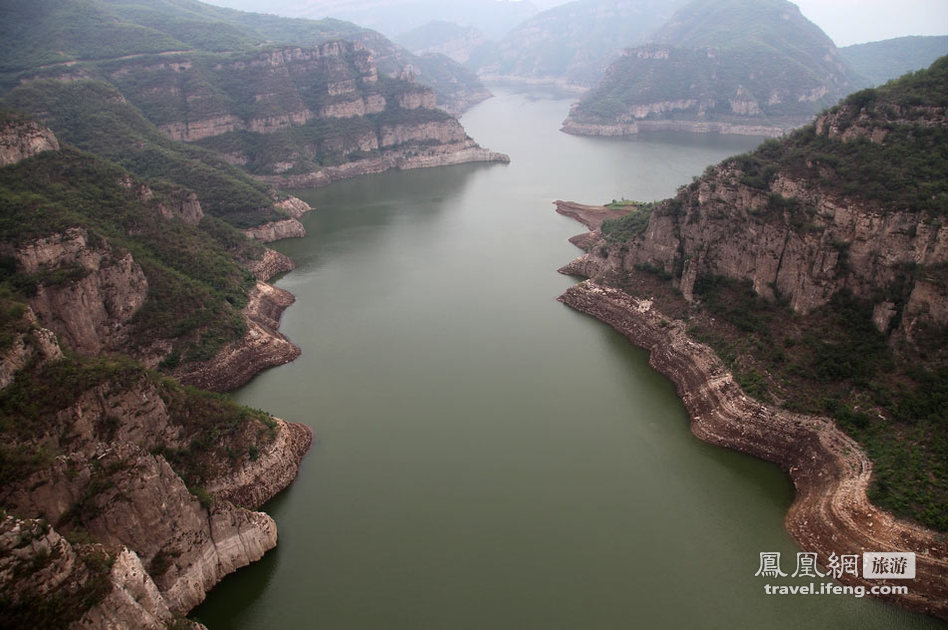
[20, 139]
[262, 346]
[115, 455]
[401, 158]
[39, 564]
[93, 309]
[49, 36]
[782, 219]
[830, 513]
[726, 228]
[270, 97]
[753, 67]
[136, 480]
[813, 272]
[284, 228]
[294, 111]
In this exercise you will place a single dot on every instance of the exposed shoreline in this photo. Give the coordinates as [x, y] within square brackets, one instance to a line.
[830, 472]
[635, 127]
[446, 155]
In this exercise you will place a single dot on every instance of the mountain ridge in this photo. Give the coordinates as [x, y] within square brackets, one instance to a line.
[731, 66]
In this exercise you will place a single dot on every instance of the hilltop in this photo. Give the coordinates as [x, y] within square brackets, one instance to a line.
[35, 34]
[815, 269]
[822, 256]
[137, 178]
[572, 44]
[458, 42]
[741, 66]
[878, 62]
[121, 486]
[249, 116]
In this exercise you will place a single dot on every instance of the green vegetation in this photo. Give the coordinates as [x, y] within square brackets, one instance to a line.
[730, 24]
[322, 142]
[64, 604]
[39, 37]
[575, 40]
[211, 425]
[196, 286]
[834, 362]
[904, 171]
[39, 32]
[878, 62]
[734, 301]
[884, 149]
[13, 320]
[628, 226]
[715, 52]
[217, 430]
[94, 117]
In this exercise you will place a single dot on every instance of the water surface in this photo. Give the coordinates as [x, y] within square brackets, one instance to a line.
[486, 457]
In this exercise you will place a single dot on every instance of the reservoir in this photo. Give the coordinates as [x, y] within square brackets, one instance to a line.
[486, 458]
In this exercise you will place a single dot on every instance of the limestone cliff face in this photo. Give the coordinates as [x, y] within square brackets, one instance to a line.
[133, 602]
[822, 244]
[193, 99]
[37, 346]
[629, 126]
[327, 104]
[102, 450]
[286, 228]
[20, 139]
[36, 562]
[294, 207]
[426, 155]
[444, 132]
[93, 309]
[726, 68]
[109, 484]
[261, 347]
[276, 230]
[175, 204]
[830, 513]
[142, 504]
[88, 293]
[257, 481]
[270, 264]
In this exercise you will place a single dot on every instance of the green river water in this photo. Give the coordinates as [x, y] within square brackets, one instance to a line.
[487, 458]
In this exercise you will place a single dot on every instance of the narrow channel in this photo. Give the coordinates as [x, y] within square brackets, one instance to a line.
[486, 457]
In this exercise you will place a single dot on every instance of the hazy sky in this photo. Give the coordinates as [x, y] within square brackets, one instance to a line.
[857, 21]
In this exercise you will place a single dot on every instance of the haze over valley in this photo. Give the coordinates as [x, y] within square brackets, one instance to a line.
[407, 314]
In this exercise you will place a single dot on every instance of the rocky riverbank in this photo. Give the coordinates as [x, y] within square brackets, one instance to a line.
[461, 152]
[125, 496]
[631, 128]
[261, 347]
[831, 473]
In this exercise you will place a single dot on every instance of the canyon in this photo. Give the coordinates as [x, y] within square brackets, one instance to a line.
[127, 512]
[790, 239]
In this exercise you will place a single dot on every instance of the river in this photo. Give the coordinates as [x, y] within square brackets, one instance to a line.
[486, 457]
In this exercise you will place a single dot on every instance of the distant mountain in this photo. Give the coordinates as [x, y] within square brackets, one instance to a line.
[878, 62]
[740, 66]
[816, 266]
[32, 34]
[446, 38]
[132, 87]
[494, 18]
[573, 43]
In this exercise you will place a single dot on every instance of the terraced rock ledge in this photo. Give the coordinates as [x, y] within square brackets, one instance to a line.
[830, 472]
